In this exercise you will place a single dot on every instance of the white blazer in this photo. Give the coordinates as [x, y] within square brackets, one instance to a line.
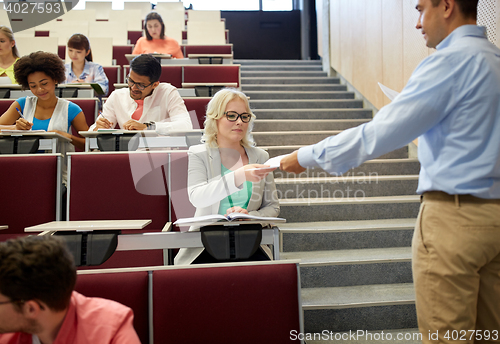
[206, 189]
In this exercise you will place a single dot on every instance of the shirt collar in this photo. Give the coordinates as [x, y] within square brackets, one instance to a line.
[462, 31]
[86, 69]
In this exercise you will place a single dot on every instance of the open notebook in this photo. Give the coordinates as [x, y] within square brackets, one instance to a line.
[207, 219]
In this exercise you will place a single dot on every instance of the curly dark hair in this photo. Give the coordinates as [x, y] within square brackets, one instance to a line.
[37, 268]
[39, 61]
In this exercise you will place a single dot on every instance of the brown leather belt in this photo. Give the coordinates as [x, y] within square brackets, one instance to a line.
[443, 196]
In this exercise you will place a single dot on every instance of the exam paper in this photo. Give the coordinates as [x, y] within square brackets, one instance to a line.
[391, 94]
[273, 163]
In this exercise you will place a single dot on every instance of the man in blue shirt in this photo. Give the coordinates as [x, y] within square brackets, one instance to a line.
[452, 103]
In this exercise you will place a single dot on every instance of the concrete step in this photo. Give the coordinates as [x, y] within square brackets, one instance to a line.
[312, 259]
[267, 125]
[283, 74]
[273, 151]
[404, 336]
[307, 113]
[299, 95]
[278, 62]
[284, 87]
[305, 104]
[282, 68]
[346, 186]
[368, 307]
[346, 235]
[322, 269]
[344, 208]
[375, 167]
[289, 80]
[278, 138]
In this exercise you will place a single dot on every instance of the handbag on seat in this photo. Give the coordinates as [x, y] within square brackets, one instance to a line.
[231, 243]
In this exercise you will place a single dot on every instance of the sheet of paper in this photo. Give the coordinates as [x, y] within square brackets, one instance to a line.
[273, 163]
[101, 130]
[22, 131]
[391, 94]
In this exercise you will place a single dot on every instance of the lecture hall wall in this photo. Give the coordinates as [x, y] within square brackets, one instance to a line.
[370, 41]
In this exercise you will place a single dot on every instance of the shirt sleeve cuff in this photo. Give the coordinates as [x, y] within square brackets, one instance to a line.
[305, 157]
[162, 128]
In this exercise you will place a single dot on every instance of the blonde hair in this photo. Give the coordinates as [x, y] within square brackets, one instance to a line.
[216, 109]
[10, 35]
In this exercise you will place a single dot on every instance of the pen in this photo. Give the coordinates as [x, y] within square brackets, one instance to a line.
[100, 113]
[20, 113]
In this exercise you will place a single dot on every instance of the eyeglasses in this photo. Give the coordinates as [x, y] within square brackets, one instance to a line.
[140, 87]
[20, 302]
[232, 116]
[6, 302]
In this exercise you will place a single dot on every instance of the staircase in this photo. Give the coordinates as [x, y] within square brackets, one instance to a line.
[352, 232]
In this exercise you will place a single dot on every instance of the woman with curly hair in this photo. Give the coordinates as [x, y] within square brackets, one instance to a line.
[155, 40]
[8, 53]
[225, 173]
[40, 72]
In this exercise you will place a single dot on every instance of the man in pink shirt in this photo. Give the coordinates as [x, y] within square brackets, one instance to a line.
[38, 304]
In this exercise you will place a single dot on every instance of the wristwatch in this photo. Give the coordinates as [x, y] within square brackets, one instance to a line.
[150, 126]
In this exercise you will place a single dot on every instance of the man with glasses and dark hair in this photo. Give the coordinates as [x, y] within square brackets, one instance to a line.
[146, 104]
[38, 304]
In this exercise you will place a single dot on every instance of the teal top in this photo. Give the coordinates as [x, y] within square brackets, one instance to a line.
[239, 198]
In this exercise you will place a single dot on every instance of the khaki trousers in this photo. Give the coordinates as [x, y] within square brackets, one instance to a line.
[456, 269]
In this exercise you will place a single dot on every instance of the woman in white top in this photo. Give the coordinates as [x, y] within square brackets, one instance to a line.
[40, 72]
[221, 175]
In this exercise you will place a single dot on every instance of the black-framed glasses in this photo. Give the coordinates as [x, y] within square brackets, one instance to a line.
[140, 87]
[20, 302]
[10, 301]
[232, 116]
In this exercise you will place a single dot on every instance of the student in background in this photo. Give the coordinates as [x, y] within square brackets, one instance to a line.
[155, 40]
[147, 103]
[38, 303]
[221, 175]
[40, 72]
[8, 53]
[81, 69]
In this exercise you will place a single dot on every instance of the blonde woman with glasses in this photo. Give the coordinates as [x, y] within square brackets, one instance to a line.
[226, 173]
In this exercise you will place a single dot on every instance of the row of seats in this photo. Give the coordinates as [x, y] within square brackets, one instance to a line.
[186, 76]
[178, 76]
[196, 107]
[224, 303]
[100, 186]
[105, 52]
[120, 51]
[197, 32]
[147, 185]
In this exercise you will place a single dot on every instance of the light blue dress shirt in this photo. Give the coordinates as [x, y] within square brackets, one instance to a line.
[92, 73]
[452, 103]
